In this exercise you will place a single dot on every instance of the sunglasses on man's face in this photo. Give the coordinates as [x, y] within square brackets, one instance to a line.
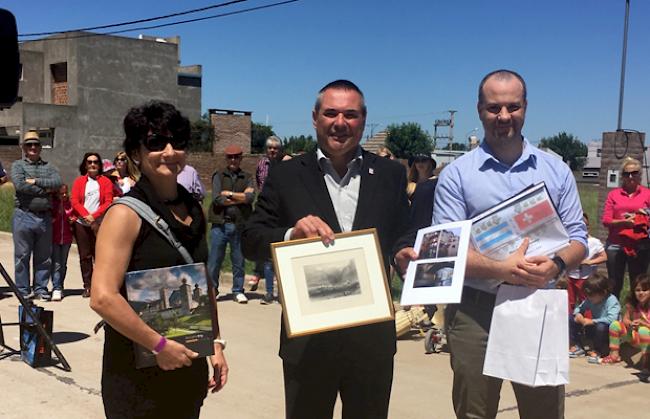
[233, 156]
[32, 145]
[631, 174]
[92, 162]
[158, 142]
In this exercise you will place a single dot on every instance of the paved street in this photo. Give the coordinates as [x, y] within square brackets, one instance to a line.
[421, 388]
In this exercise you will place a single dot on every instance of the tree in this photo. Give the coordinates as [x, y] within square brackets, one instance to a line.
[298, 144]
[259, 134]
[201, 134]
[408, 139]
[572, 150]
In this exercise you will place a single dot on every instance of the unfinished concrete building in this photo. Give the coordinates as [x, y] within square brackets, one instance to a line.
[76, 88]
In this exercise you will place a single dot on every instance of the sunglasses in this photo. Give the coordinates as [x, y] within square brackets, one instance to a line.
[233, 156]
[95, 162]
[158, 142]
[630, 174]
[122, 159]
[32, 145]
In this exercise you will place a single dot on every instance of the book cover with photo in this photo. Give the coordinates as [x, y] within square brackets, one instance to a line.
[174, 301]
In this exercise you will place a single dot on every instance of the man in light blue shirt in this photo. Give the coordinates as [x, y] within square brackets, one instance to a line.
[504, 164]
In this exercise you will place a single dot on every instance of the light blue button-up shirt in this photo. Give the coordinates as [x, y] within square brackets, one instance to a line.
[477, 181]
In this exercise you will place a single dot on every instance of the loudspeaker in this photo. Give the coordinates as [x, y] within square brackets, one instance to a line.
[10, 67]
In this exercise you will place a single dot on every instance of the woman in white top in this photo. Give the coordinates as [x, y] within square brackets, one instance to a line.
[92, 194]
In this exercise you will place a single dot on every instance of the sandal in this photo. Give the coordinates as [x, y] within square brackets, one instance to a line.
[610, 360]
[576, 351]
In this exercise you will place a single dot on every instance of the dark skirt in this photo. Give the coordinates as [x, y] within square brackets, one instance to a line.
[128, 392]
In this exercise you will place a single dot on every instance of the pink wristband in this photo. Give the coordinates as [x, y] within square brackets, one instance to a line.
[161, 345]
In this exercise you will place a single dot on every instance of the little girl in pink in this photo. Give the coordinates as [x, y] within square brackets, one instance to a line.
[61, 239]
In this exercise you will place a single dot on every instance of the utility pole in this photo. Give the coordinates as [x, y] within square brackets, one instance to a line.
[623, 59]
[444, 123]
[372, 126]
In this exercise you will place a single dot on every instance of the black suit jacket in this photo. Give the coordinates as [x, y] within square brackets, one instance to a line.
[295, 189]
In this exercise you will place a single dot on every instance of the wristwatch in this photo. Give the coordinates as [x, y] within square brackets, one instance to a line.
[561, 265]
[221, 342]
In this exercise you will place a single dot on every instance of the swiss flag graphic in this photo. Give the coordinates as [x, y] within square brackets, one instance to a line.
[533, 215]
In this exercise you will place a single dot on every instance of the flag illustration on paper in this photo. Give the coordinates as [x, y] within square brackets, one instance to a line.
[492, 234]
[534, 215]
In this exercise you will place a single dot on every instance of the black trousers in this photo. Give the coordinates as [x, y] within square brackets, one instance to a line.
[310, 388]
[617, 260]
[85, 238]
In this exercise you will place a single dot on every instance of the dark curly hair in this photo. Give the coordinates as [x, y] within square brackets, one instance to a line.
[82, 166]
[154, 116]
[596, 284]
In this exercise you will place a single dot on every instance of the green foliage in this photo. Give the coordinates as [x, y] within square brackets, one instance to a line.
[6, 207]
[202, 134]
[259, 134]
[459, 146]
[408, 139]
[589, 200]
[572, 150]
[300, 144]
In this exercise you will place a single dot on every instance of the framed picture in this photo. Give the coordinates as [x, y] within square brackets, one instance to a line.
[437, 276]
[332, 287]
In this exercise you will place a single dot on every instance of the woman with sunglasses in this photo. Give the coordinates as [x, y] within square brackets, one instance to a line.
[92, 194]
[156, 138]
[126, 174]
[624, 208]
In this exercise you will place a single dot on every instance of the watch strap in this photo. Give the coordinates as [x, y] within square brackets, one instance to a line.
[561, 265]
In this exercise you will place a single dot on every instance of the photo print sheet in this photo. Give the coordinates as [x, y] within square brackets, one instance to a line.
[436, 277]
[499, 231]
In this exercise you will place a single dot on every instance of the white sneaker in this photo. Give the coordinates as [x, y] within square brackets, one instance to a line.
[57, 295]
[241, 298]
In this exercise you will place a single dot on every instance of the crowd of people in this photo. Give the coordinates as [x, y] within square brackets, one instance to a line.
[340, 187]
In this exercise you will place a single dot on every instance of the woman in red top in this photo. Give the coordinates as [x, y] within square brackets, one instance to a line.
[623, 205]
[92, 194]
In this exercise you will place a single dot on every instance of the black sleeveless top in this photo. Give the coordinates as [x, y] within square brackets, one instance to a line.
[152, 392]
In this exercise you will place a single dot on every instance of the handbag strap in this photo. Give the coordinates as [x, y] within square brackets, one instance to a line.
[146, 213]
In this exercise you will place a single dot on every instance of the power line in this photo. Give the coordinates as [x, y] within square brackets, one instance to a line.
[133, 22]
[251, 9]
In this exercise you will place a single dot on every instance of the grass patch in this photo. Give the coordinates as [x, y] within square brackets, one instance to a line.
[589, 200]
[6, 206]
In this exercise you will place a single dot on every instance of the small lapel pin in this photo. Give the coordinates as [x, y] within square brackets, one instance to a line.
[371, 170]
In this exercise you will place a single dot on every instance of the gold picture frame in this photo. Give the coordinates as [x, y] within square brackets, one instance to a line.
[332, 287]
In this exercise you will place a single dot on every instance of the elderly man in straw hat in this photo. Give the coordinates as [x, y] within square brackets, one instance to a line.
[33, 178]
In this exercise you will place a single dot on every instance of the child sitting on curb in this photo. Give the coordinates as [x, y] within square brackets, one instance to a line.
[578, 276]
[604, 308]
[635, 326]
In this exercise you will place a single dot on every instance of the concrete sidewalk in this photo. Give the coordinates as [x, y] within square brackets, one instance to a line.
[421, 387]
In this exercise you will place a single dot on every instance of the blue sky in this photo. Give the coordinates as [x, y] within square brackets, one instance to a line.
[414, 59]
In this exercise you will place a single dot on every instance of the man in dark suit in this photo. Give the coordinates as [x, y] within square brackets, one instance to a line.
[339, 187]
